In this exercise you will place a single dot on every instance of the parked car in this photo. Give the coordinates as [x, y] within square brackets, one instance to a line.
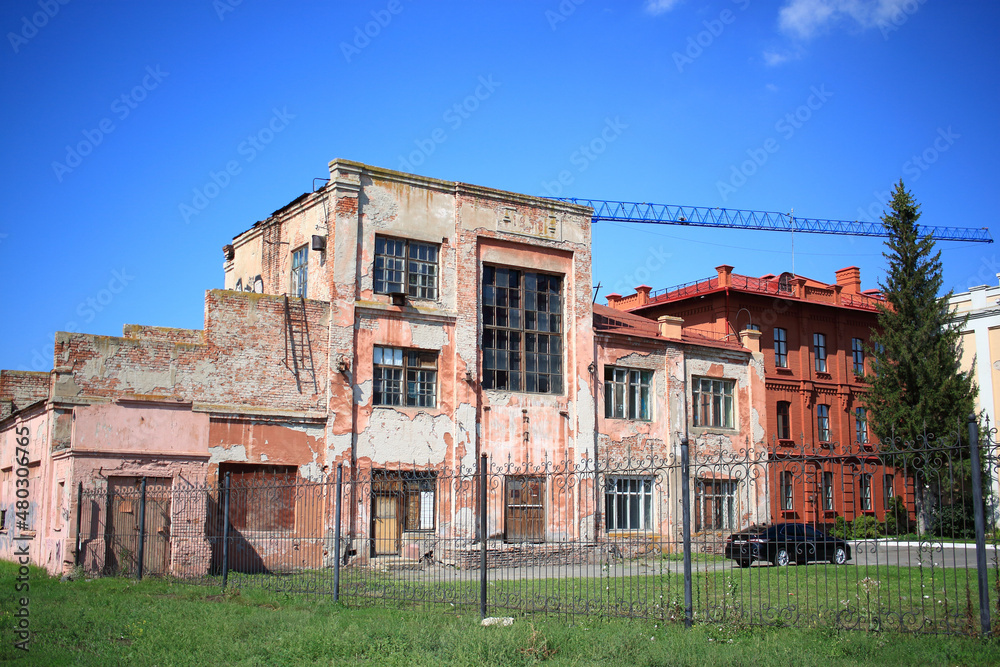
[785, 543]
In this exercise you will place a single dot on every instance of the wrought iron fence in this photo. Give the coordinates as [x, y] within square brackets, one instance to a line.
[903, 537]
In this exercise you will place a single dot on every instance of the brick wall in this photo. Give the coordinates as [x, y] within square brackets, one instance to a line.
[19, 389]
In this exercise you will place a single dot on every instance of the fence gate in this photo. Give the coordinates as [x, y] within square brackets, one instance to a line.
[122, 526]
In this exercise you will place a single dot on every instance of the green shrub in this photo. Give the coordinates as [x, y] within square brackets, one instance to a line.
[956, 521]
[865, 528]
[841, 528]
[897, 518]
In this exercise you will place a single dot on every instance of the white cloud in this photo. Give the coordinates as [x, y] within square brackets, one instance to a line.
[803, 18]
[773, 58]
[657, 7]
[771, 88]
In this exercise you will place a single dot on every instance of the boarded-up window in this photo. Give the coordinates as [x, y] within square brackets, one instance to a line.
[261, 497]
[525, 509]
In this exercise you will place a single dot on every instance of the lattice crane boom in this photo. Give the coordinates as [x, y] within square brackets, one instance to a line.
[732, 218]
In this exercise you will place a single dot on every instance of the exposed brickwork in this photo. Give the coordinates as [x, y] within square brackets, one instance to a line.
[19, 389]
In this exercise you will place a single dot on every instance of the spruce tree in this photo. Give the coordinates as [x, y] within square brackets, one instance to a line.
[919, 398]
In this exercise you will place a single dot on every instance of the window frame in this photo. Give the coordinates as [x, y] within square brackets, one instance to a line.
[631, 389]
[828, 481]
[786, 483]
[858, 355]
[861, 425]
[300, 272]
[819, 353]
[783, 420]
[408, 268]
[411, 483]
[780, 347]
[637, 496]
[718, 400]
[865, 483]
[888, 490]
[823, 433]
[721, 496]
[522, 347]
[411, 377]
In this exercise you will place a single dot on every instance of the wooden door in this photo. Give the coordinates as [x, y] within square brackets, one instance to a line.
[122, 530]
[386, 516]
[524, 515]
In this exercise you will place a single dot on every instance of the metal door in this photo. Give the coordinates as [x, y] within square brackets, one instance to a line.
[122, 528]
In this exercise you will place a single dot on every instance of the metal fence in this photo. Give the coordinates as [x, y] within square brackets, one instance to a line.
[901, 538]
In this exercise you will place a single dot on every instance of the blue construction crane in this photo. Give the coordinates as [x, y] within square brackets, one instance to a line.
[732, 218]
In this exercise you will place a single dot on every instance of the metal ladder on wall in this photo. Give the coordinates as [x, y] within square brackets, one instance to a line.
[297, 344]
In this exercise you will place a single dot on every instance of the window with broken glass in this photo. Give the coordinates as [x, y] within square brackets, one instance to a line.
[522, 331]
[404, 377]
[713, 402]
[405, 266]
[715, 504]
[626, 393]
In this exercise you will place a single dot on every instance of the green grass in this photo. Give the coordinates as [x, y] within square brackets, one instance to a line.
[117, 621]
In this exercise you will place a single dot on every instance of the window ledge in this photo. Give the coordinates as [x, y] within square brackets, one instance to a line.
[784, 370]
[786, 442]
[824, 375]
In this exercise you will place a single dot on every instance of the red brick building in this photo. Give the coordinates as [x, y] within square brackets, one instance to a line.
[813, 336]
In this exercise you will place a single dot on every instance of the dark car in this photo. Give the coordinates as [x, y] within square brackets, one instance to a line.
[785, 543]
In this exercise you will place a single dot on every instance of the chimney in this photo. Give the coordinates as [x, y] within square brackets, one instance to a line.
[849, 280]
[750, 338]
[725, 275]
[613, 300]
[643, 292]
[670, 327]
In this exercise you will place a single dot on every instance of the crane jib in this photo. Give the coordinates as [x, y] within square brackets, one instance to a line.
[730, 218]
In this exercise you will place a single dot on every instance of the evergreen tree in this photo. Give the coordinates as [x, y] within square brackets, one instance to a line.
[919, 398]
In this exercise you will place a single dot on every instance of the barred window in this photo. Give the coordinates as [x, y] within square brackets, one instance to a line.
[626, 393]
[406, 266]
[858, 355]
[828, 490]
[628, 503]
[780, 348]
[861, 426]
[418, 500]
[419, 369]
[300, 272]
[823, 423]
[715, 504]
[819, 352]
[522, 331]
[713, 402]
[865, 482]
[784, 421]
[787, 490]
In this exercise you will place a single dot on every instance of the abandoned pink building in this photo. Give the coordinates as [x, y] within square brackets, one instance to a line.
[387, 320]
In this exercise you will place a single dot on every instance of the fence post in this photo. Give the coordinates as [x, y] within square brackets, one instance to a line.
[225, 532]
[686, 530]
[142, 526]
[79, 523]
[977, 500]
[336, 532]
[482, 535]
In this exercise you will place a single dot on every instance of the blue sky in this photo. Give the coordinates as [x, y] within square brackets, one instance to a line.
[116, 116]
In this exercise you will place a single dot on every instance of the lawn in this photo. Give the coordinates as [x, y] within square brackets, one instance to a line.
[118, 621]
